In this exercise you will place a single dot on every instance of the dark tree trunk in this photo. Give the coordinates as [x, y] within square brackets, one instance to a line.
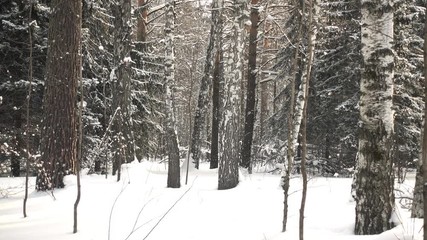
[251, 88]
[122, 124]
[203, 99]
[59, 131]
[215, 112]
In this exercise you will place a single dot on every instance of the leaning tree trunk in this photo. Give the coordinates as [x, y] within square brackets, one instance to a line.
[172, 139]
[64, 64]
[374, 178]
[251, 88]
[228, 172]
[203, 99]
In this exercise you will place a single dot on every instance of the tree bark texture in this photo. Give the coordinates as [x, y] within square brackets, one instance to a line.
[424, 148]
[251, 88]
[122, 124]
[172, 139]
[228, 172]
[374, 179]
[59, 131]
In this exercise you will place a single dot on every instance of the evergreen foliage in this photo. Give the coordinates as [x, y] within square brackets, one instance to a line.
[14, 62]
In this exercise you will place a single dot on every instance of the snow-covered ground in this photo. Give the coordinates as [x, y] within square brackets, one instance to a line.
[130, 209]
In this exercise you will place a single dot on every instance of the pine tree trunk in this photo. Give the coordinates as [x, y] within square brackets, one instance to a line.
[215, 111]
[251, 88]
[172, 139]
[218, 78]
[122, 139]
[64, 63]
[374, 179]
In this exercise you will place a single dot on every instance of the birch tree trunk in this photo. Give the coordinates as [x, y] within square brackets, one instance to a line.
[174, 179]
[228, 172]
[293, 128]
[59, 131]
[311, 46]
[374, 179]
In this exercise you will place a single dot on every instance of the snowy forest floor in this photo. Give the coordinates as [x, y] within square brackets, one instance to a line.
[129, 209]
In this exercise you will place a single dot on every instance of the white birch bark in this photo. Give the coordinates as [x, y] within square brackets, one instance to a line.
[285, 179]
[374, 173]
[228, 172]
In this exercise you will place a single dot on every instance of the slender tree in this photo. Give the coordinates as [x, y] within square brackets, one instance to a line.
[374, 178]
[172, 139]
[30, 80]
[79, 158]
[311, 46]
[293, 124]
[59, 131]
